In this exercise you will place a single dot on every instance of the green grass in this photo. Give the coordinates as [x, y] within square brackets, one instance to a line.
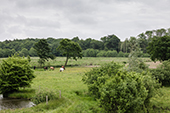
[74, 93]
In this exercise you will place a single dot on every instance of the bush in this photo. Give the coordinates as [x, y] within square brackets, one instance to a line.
[15, 72]
[121, 54]
[90, 52]
[118, 90]
[111, 53]
[40, 96]
[124, 92]
[162, 73]
[98, 76]
[126, 54]
[101, 54]
[146, 55]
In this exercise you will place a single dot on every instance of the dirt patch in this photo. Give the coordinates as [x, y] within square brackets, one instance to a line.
[153, 64]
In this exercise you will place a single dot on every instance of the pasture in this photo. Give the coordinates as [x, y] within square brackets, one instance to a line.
[74, 93]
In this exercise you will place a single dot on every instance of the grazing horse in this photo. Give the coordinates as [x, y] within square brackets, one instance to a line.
[52, 68]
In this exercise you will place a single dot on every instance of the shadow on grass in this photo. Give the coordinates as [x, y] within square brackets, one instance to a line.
[23, 94]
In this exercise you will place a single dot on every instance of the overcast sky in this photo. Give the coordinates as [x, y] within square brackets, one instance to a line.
[20, 19]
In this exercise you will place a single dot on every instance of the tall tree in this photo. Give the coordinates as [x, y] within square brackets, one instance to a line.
[111, 42]
[43, 50]
[70, 49]
[143, 42]
[159, 48]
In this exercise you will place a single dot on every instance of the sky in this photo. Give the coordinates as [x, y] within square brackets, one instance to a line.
[21, 19]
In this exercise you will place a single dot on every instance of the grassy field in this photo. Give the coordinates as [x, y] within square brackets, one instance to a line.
[59, 61]
[74, 95]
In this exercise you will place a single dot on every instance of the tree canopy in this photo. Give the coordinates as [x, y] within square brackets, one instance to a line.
[159, 48]
[43, 51]
[15, 72]
[70, 49]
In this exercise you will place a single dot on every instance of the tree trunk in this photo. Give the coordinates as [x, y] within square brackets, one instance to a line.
[66, 62]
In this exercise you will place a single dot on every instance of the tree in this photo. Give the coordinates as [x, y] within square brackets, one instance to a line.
[15, 72]
[24, 52]
[70, 49]
[91, 52]
[43, 50]
[159, 48]
[32, 52]
[111, 42]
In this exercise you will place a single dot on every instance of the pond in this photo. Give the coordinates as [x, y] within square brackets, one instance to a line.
[8, 103]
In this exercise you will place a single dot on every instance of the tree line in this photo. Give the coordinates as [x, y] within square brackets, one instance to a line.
[107, 46]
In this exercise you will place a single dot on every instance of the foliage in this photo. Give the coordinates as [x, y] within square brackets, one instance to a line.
[70, 49]
[15, 73]
[159, 48]
[135, 64]
[124, 92]
[101, 53]
[111, 42]
[29, 58]
[121, 54]
[69, 82]
[111, 53]
[98, 76]
[162, 73]
[90, 53]
[40, 96]
[118, 90]
[43, 50]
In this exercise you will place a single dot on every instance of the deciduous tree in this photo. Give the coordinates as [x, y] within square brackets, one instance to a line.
[159, 48]
[70, 49]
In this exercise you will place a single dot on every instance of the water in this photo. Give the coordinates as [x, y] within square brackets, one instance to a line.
[7, 103]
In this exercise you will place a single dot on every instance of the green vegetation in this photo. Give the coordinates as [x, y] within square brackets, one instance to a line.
[70, 49]
[162, 73]
[120, 91]
[43, 51]
[75, 96]
[15, 73]
[159, 48]
[110, 44]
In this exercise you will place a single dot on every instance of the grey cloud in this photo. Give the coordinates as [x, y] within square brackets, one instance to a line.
[83, 18]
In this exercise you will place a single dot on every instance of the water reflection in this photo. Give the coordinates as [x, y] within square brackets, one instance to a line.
[7, 103]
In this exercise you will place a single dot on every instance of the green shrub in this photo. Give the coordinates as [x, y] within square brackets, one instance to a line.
[145, 55]
[118, 90]
[101, 54]
[111, 53]
[40, 96]
[90, 52]
[124, 92]
[162, 73]
[126, 54]
[121, 54]
[97, 77]
[15, 72]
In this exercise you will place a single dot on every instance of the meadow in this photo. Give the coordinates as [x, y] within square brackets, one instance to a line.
[74, 93]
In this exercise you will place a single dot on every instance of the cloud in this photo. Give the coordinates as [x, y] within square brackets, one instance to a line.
[82, 18]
